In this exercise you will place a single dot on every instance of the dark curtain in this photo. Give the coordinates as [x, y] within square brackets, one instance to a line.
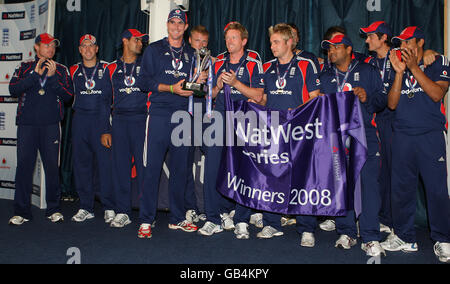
[105, 19]
[314, 17]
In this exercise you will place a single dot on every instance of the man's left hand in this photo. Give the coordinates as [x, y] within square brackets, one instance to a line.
[361, 94]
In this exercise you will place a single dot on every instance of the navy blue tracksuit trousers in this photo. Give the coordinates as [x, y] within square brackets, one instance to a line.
[369, 224]
[30, 139]
[159, 142]
[273, 220]
[190, 194]
[423, 155]
[128, 132]
[215, 203]
[197, 144]
[385, 131]
[87, 148]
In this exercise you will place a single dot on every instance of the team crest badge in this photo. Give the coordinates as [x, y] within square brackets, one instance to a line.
[411, 82]
[129, 81]
[89, 84]
[281, 84]
[177, 64]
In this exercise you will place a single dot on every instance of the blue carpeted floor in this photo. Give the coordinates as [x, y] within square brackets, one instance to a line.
[40, 241]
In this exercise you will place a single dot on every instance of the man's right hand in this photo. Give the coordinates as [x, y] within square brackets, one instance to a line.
[220, 81]
[39, 68]
[106, 140]
[399, 66]
[178, 89]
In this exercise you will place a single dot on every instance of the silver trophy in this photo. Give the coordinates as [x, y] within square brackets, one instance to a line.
[202, 59]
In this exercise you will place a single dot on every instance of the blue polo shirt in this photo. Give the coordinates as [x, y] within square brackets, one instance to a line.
[127, 100]
[361, 75]
[90, 101]
[416, 112]
[249, 71]
[301, 78]
[159, 66]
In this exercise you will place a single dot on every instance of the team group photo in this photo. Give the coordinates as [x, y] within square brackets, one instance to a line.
[290, 135]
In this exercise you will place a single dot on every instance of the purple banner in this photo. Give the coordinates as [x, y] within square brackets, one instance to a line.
[301, 162]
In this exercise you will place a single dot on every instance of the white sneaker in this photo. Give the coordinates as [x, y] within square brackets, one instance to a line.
[328, 225]
[394, 243]
[345, 242]
[385, 229]
[109, 216]
[269, 232]
[17, 220]
[56, 217]
[120, 221]
[202, 217]
[82, 216]
[192, 217]
[442, 251]
[241, 231]
[308, 240]
[257, 220]
[373, 249]
[227, 221]
[210, 229]
[287, 221]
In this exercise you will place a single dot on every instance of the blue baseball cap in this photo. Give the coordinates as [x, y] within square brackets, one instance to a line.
[178, 13]
[134, 33]
[46, 38]
[336, 40]
[409, 33]
[377, 27]
[129, 33]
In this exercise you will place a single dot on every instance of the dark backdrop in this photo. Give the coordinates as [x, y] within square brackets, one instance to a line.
[105, 19]
[314, 17]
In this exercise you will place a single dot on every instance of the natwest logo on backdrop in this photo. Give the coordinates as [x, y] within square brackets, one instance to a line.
[8, 100]
[11, 56]
[8, 142]
[26, 35]
[13, 15]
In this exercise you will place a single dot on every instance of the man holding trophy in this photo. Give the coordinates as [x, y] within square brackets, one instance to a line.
[167, 64]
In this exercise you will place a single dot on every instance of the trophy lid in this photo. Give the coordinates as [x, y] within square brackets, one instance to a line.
[204, 51]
